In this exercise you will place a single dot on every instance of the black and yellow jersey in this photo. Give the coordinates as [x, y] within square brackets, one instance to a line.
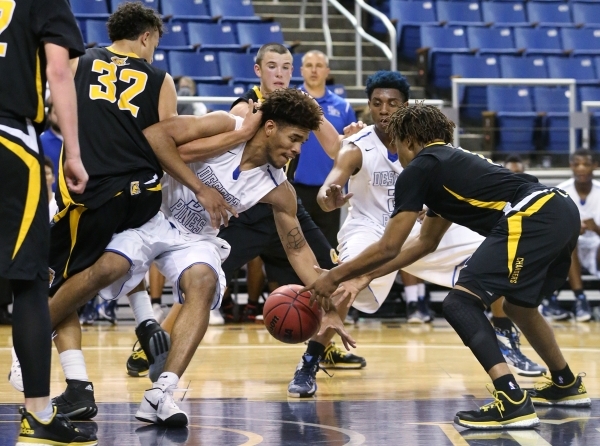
[117, 97]
[25, 25]
[460, 186]
[254, 94]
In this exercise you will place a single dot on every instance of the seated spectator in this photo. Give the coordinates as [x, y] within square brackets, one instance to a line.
[187, 87]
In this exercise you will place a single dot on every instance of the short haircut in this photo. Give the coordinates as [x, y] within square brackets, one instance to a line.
[388, 79]
[583, 153]
[318, 53]
[289, 106]
[513, 159]
[421, 123]
[131, 20]
[270, 48]
[48, 163]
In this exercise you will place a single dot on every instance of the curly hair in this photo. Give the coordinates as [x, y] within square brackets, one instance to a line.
[388, 79]
[421, 123]
[288, 106]
[131, 20]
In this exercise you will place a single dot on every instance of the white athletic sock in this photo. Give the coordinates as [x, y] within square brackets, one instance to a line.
[168, 378]
[421, 290]
[141, 306]
[73, 365]
[46, 414]
[411, 293]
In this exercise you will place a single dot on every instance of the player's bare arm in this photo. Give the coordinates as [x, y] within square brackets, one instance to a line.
[347, 163]
[223, 135]
[167, 99]
[62, 88]
[379, 253]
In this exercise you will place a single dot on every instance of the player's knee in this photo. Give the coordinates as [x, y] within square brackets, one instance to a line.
[464, 312]
[107, 269]
[199, 280]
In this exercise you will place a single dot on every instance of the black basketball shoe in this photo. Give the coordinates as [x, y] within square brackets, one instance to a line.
[77, 401]
[502, 413]
[336, 358]
[156, 344]
[137, 363]
[58, 431]
[548, 393]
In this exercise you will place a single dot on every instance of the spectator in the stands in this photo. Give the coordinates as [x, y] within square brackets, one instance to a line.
[187, 87]
[52, 139]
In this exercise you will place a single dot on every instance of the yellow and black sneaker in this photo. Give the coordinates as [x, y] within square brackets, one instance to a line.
[548, 393]
[58, 431]
[336, 358]
[137, 363]
[502, 413]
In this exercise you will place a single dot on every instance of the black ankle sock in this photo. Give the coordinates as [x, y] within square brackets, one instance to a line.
[503, 323]
[155, 300]
[315, 348]
[579, 294]
[563, 377]
[508, 384]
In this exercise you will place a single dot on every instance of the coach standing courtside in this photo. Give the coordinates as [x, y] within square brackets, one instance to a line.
[38, 39]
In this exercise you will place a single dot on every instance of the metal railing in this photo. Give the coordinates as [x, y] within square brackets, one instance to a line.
[585, 132]
[229, 100]
[356, 21]
[456, 82]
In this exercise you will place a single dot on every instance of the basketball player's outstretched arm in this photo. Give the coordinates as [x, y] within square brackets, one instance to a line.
[377, 254]
[347, 163]
[432, 231]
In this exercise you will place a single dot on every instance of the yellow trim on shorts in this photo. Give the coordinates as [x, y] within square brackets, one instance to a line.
[39, 117]
[155, 188]
[515, 228]
[34, 189]
[74, 217]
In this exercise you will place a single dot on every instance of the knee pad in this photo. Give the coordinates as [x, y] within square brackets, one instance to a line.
[464, 312]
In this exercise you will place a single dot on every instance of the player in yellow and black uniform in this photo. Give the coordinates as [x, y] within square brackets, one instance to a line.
[530, 231]
[37, 39]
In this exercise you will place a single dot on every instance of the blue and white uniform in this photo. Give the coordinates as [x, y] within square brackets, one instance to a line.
[370, 209]
[181, 235]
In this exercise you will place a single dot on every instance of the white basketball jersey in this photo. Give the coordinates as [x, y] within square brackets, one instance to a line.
[373, 184]
[241, 189]
[590, 208]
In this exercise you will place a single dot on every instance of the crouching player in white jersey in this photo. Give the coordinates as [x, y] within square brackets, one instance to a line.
[185, 246]
[368, 162]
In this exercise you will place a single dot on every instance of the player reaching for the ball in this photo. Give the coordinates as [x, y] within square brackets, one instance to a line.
[185, 246]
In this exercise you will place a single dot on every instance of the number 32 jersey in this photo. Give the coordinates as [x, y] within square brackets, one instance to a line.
[117, 97]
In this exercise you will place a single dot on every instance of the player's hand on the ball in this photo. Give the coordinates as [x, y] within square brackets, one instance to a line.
[335, 197]
[347, 291]
[216, 206]
[321, 290]
[331, 319]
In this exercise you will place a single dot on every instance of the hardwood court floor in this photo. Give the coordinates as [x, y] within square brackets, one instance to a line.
[416, 378]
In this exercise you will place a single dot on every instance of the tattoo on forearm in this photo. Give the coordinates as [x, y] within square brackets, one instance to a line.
[295, 239]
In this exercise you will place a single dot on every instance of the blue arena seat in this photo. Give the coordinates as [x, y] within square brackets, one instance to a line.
[581, 40]
[254, 35]
[587, 93]
[233, 10]
[491, 40]
[174, 37]
[504, 14]
[410, 17]
[515, 118]
[554, 102]
[154, 4]
[203, 89]
[459, 13]
[161, 60]
[188, 10]
[238, 67]
[442, 42]
[538, 40]
[199, 66]
[549, 13]
[528, 67]
[213, 36]
[586, 14]
[580, 68]
[90, 9]
[96, 33]
[473, 99]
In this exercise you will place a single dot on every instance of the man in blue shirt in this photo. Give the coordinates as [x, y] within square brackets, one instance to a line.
[314, 164]
[52, 140]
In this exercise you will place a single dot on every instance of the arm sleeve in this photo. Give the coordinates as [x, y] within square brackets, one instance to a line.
[53, 22]
[413, 184]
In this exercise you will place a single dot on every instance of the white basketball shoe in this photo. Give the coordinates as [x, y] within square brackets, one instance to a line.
[15, 378]
[158, 407]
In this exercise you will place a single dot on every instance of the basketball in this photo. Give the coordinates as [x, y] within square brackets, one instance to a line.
[288, 315]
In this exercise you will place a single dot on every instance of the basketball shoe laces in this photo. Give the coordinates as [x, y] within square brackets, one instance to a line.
[332, 350]
[542, 385]
[138, 354]
[306, 373]
[497, 403]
